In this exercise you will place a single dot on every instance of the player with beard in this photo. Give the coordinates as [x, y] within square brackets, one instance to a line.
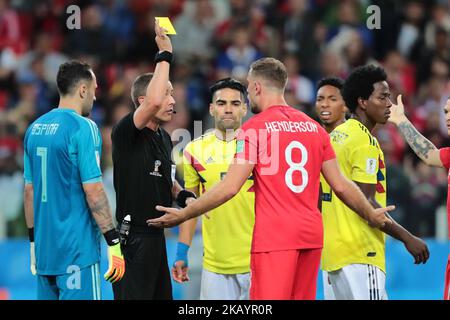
[227, 234]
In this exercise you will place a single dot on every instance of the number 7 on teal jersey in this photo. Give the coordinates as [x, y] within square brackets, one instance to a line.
[42, 152]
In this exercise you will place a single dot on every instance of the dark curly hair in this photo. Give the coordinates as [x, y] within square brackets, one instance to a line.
[331, 81]
[359, 84]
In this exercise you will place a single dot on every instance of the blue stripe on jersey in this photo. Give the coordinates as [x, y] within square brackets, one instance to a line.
[65, 231]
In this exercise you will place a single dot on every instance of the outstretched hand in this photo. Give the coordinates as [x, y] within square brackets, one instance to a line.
[173, 217]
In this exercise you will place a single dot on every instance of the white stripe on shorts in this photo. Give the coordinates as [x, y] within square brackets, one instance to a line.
[97, 280]
[94, 287]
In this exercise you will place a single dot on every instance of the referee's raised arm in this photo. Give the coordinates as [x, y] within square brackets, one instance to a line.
[156, 90]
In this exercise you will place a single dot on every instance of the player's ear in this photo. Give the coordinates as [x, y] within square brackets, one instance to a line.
[244, 109]
[211, 109]
[257, 87]
[362, 103]
[82, 90]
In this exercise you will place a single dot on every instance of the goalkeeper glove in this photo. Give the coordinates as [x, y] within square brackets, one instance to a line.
[32, 259]
[116, 267]
[32, 251]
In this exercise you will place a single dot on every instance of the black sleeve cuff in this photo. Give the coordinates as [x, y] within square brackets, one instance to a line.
[164, 56]
[31, 234]
[112, 237]
[182, 196]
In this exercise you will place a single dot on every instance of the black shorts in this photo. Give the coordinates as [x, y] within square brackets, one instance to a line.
[147, 275]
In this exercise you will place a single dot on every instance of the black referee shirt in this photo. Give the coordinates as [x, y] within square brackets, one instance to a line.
[142, 173]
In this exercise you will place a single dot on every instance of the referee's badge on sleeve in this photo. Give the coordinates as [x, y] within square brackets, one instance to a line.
[371, 166]
[173, 172]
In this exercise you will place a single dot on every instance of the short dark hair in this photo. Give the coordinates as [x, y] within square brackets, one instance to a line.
[271, 70]
[331, 81]
[359, 84]
[228, 83]
[139, 87]
[70, 74]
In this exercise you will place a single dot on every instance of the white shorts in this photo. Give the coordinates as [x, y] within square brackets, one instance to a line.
[355, 282]
[216, 286]
[328, 293]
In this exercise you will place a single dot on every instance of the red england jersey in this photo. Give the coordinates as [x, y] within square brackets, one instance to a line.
[288, 149]
[444, 154]
[445, 159]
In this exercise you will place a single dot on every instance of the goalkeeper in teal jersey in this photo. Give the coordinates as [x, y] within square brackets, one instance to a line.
[65, 204]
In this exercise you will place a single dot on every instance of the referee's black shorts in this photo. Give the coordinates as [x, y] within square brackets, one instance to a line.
[147, 276]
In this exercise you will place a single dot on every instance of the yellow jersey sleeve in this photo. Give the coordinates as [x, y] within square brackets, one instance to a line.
[348, 239]
[364, 161]
[191, 178]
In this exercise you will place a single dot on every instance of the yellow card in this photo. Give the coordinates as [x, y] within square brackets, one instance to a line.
[165, 23]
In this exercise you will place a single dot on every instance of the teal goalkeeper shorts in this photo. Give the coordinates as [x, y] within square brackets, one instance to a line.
[76, 284]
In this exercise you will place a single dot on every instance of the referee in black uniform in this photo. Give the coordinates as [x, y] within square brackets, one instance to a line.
[144, 176]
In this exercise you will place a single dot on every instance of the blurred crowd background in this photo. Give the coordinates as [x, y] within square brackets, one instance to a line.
[219, 38]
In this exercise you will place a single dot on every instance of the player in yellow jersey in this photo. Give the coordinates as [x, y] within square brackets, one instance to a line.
[354, 253]
[330, 106]
[331, 110]
[226, 237]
